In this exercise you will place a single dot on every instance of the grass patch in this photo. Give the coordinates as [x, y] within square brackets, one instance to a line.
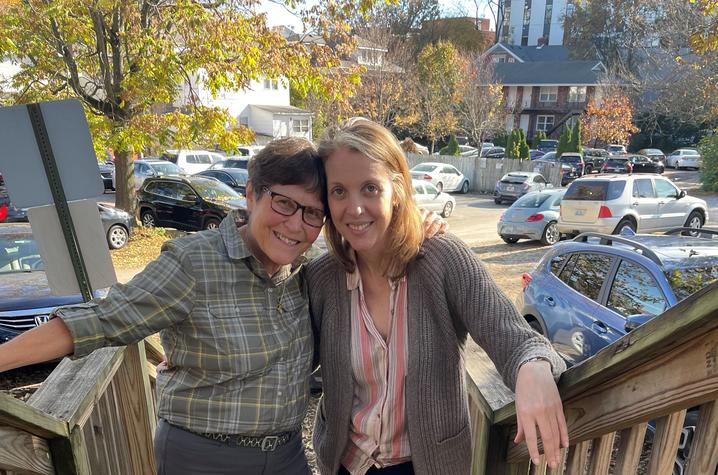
[144, 247]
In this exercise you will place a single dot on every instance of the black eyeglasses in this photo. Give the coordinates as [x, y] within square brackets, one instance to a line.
[286, 206]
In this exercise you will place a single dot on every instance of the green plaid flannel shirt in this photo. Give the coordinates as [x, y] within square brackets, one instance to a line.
[239, 343]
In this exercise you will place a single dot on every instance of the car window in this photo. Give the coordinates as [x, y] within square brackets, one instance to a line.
[430, 189]
[643, 188]
[557, 263]
[182, 191]
[204, 159]
[418, 189]
[665, 189]
[686, 281]
[167, 189]
[635, 292]
[585, 273]
[595, 190]
[539, 179]
[151, 187]
[19, 255]
[424, 168]
[531, 200]
[191, 159]
[449, 170]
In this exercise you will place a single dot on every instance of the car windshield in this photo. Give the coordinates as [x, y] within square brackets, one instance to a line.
[531, 200]
[423, 168]
[570, 159]
[615, 148]
[685, 282]
[213, 190]
[514, 178]
[690, 152]
[230, 164]
[613, 162]
[166, 168]
[19, 255]
[595, 190]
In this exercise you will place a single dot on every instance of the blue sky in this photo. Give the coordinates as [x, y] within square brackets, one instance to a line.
[278, 15]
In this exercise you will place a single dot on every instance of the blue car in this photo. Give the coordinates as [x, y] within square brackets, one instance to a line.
[588, 292]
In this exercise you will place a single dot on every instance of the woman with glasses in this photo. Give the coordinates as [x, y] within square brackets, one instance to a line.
[231, 309]
[392, 312]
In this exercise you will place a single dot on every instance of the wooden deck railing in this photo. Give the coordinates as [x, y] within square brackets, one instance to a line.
[655, 373]
[91, 416]
[96, 415]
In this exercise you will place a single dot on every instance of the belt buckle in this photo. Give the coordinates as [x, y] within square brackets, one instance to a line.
[269, 443]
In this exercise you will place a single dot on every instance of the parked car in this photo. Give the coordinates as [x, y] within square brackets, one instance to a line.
[444, 177]
[231, 162]
[493, 152]
[544, 164]
[468, 151]
[587, 293]
[642, 203]
[684, 158]
[615, 149]
[27, 299]
[429, 198]
[192, 161]
[617, 165]
[106, 172]
[594, 158]
[548, 145]
[534, 154]
[574, 159]
[8, 212]
[187, 203]
[654, 154]
[643, 164]
[149, 167]
[248, 151]
[533, 216]
[235, 178]
[514, 185]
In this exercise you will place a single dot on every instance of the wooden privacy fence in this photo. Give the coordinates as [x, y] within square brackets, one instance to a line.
[95, 415]
[483, 173]
[652, 375]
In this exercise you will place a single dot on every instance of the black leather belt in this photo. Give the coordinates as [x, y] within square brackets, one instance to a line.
[267, 443]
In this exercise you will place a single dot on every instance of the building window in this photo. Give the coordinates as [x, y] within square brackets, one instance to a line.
[547, 20]
[499, 58]
[544, 122]
[300, 126]
[548, 94]
[271, 84]
[577, 94]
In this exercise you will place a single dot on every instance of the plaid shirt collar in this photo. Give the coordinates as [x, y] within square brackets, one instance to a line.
[237, 249]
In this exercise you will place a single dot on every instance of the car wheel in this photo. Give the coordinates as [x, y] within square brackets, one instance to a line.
[465, 188]
[623, 224]
[497, 201]
[211, 223]
[148, 218]
[535, 326]
[117, 236]
[448, 208]
[440, 187]
[550, 234]
[510, 240]
[661, 170]
[589, 170]
[695, 221]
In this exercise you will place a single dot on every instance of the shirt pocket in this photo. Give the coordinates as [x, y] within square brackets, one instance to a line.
[247, 343]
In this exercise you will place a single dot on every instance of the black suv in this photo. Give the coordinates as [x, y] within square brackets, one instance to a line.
[187, 203]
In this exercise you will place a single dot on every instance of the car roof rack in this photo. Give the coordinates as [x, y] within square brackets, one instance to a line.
[609, 239]
[712, 232]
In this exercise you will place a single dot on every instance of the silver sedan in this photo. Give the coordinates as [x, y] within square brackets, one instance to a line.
[533, 216]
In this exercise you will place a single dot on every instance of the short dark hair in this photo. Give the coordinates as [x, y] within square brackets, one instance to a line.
[288, 161]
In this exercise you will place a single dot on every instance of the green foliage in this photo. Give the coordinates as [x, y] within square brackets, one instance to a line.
[510, 139]
[517, 146]
[501, 140]
[540, 135]
[452, 147]
[564, 142]
[575, 144]
[708, 149]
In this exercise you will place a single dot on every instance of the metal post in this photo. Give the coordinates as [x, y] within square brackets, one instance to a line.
[58, 195]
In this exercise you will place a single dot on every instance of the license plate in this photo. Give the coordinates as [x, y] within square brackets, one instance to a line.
[580, 212]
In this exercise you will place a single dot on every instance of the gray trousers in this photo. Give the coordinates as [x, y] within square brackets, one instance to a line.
[178, 452]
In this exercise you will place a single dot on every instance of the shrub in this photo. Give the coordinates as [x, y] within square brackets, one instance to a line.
[452, 148]
[708, 149]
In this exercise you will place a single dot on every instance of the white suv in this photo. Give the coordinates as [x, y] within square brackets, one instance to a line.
[641, 202]
[192, 161]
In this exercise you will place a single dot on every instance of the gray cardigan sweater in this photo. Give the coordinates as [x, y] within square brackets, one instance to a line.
[450, 294]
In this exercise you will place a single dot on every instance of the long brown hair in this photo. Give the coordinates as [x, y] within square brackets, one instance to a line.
[406, 232]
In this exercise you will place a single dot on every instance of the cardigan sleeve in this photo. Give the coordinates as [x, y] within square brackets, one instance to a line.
[479, 306]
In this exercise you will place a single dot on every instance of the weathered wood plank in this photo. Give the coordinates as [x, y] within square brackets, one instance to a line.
[665, 443]
[561, 464]
[24, 453]
[486, 378]
[16, 413]
[70, 391]
[577, 458]
[671, 382]
[541, 468]
[601, 454]
[630, 448]
[480, 427]
[135, 404]
[79, 452]
[703, 457]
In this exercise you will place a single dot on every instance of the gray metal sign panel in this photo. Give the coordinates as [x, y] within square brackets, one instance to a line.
[21, 164]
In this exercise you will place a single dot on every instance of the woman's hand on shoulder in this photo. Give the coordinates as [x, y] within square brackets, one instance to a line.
[538, 405]
[433, 223]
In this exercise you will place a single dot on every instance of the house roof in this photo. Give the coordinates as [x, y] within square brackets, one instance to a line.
[532, 53]
[282, 110]
[573, 73]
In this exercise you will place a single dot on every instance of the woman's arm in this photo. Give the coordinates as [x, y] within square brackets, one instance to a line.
[46, 342]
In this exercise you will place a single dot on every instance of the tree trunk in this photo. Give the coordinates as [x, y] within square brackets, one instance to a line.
[124, 182]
